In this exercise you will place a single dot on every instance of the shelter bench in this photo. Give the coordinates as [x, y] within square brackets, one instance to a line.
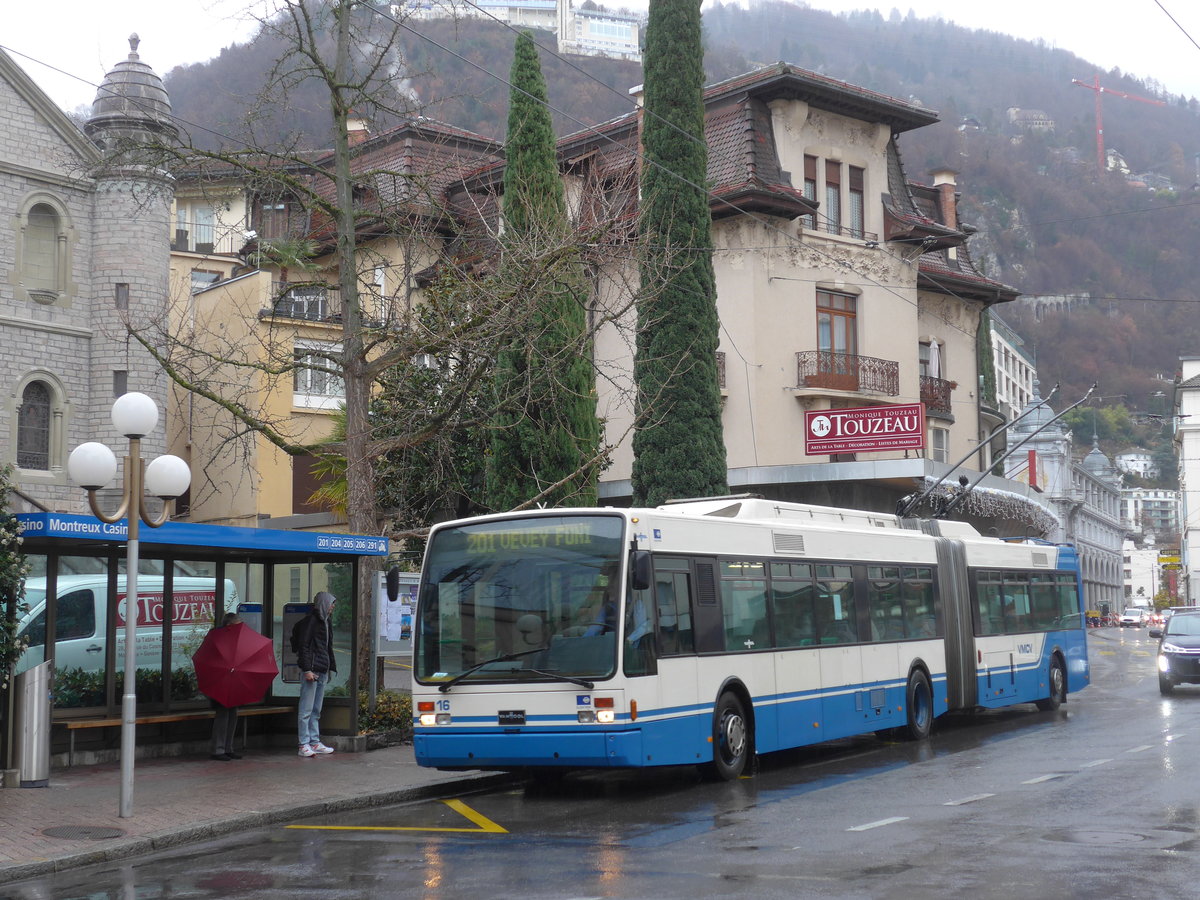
[244, 712]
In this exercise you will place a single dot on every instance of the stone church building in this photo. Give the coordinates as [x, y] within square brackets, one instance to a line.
[84, 250]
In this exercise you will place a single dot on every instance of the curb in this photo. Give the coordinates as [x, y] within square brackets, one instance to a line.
[123, 848]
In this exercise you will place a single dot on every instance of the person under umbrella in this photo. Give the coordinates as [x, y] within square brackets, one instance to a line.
[225, 720]
[234, 665]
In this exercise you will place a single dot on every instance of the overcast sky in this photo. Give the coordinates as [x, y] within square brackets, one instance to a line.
[87, 37]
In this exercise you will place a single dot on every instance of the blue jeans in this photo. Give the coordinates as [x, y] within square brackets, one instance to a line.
[312, 696]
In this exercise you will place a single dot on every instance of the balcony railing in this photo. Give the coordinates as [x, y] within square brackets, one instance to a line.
[847, 372]
[206, 238]
[935, 394]
[313, 302]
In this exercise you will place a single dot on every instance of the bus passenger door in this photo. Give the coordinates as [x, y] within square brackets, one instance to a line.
[670, 735]
[840, 652]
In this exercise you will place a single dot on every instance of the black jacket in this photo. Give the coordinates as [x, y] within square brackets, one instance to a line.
[315, 651]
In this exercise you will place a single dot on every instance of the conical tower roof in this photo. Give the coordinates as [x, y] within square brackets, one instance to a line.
[132, 104]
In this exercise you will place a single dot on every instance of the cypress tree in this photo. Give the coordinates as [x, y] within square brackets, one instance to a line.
[547, 430]
[678, 445]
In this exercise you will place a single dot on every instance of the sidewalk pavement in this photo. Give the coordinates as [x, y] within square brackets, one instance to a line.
[178, 800]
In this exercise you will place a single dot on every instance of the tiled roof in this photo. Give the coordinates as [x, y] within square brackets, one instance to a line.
[956, 273]
[783, 81]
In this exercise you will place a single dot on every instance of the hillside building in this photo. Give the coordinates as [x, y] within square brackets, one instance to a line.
[1151, 512]
[1137, 462]
[1030, 119]
[585, 29]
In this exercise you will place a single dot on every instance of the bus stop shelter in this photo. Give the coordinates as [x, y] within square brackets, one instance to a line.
[189, 575]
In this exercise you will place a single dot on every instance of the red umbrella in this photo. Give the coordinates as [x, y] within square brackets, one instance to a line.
[235, 665]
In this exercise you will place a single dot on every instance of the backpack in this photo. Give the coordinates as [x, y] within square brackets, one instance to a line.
[298, 632]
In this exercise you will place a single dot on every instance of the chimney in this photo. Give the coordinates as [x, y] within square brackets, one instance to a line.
[944, 181]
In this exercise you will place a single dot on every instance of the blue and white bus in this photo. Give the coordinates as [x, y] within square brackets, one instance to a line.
[703, 632]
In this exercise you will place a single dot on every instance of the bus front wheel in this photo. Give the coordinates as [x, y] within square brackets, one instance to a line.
[919, 707]
[731, 738]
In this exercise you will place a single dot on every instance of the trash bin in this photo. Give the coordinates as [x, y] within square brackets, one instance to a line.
[33, 725]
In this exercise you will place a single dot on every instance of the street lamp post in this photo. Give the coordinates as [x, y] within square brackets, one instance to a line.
[92, 466]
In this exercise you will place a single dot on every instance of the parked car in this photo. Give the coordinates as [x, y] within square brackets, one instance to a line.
[1179, 652]
[1135, 616]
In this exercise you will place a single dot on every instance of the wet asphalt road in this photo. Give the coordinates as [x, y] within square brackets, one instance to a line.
[1099, 800]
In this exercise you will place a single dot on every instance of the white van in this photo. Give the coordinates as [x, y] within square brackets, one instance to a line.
[81, 613]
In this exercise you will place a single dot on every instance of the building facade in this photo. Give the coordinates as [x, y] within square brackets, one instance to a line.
[1187, 446]
[841, 284]
[1085, 496]
[1014, 366]
[82, 259]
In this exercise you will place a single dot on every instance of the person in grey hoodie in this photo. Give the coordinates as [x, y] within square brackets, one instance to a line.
[314, 648]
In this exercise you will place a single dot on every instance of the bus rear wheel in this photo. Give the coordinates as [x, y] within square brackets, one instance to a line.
[731, 738]
[1058, 687]
[918, 707]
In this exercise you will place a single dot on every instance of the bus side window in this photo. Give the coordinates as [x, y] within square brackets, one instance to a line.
[836, 617]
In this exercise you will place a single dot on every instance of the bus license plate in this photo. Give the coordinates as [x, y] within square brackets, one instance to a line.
[512, 717]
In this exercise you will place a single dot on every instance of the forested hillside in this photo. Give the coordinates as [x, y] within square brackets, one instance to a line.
[1049, 222]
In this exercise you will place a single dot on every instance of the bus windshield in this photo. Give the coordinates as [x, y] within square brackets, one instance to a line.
[530, 599]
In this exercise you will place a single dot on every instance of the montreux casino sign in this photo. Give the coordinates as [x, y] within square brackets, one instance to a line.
[900, 427]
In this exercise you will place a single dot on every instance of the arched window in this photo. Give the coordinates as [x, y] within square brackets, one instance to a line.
[41, 263]
[33, 427]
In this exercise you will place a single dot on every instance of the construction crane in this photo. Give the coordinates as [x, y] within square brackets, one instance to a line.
[1094, 85]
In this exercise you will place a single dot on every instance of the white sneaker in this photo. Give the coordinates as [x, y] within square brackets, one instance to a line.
[318, 747]
[306, 750]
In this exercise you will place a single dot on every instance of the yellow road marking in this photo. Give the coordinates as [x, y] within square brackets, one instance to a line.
[484, 825]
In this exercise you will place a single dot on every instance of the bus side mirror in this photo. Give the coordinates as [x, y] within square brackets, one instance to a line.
[639, 570]
[392, 580]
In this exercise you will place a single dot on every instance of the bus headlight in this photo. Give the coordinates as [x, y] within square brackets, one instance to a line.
[587, 717]
[605, 716]
[428, 719]
[443, 719]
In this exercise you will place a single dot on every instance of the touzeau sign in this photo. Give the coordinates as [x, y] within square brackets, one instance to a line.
[900, 427]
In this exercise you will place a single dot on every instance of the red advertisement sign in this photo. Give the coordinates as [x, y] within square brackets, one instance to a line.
[899, 427]
[191, 608]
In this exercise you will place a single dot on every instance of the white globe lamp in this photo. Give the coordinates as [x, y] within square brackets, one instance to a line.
[92, 466]
[167, 477]
[134, 414]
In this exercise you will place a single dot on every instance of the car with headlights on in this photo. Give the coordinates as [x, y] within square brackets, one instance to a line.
[1135, 616]
[1179, 652]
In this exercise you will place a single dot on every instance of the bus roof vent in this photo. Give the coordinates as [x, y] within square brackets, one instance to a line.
[728, 512]
[1041, 558]
[788, 543]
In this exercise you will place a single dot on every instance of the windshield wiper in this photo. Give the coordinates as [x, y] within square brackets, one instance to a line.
[504, 657]
[582, 682]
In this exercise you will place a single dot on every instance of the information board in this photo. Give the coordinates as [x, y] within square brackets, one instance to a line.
[394, 618]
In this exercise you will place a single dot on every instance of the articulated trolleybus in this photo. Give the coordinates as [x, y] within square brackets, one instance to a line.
[705, 631]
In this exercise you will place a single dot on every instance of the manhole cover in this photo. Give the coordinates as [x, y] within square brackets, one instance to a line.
[82, 832]
[1098, 837]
